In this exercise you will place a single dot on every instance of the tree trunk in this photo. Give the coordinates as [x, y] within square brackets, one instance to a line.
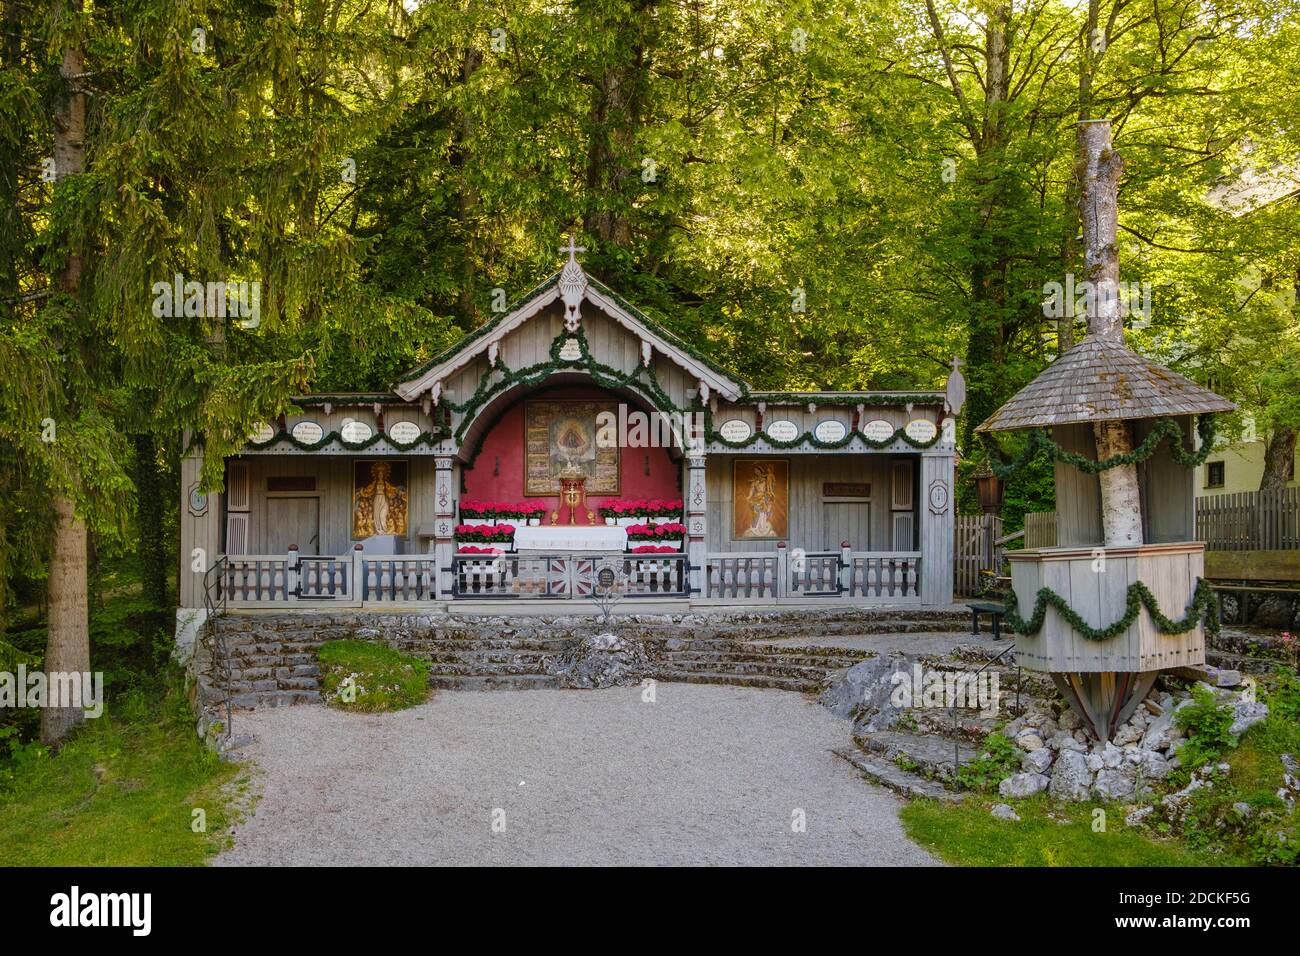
[467, 203]
[68, 647]
[1121, 506]
[986, 343]
[617, 112]
[1279, 459]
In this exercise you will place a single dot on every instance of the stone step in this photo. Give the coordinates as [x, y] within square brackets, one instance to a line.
[1244, 663]
[971, 727]
[821, 662]
[894, 778]
[709, 665]
[494, 682]
[483, 657]
[801, 685]
[926, 756]
[467, 644]
[480, 669]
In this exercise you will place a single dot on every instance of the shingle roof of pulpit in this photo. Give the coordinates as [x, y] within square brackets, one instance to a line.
[1102, 380]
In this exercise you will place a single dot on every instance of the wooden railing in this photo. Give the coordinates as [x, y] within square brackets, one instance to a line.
[1250, 521]
[559, 576]
[741, 576]
[892, 577]
[779, 575]
[389, 578]
[254, 579]
[767, 577]
[324, 577]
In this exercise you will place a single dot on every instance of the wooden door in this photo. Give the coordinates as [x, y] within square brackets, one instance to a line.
[293, 521]
[846, 521]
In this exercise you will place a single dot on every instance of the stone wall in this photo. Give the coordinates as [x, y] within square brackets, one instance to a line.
[265, 659]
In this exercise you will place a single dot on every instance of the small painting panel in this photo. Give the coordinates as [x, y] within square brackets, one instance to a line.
[760, 495]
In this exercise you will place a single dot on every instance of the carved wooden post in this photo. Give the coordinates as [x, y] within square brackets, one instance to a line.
[444, 522]
[696, 506]
[360, 586]
[781, 587]
[846, 568]
[937, 521]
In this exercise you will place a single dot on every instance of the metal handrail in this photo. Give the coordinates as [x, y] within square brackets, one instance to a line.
[956, 740]
[214, 604]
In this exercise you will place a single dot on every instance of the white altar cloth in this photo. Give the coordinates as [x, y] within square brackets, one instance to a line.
[570, 538]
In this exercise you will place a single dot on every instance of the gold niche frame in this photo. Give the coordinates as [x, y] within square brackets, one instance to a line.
[541, 416]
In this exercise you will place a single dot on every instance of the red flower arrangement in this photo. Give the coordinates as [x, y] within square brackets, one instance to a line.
[472, 508]
[485, 533]
[641, 508]
[655, 549]
[473, 549]
[652, 532]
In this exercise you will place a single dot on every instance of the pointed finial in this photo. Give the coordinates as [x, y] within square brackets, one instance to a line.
[573, 285]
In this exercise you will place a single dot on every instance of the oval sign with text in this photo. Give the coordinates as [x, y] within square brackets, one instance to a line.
[878, 430]
[783, 430]
[830, 430]
[355, 431]
[735, 430]
[309, 433]
[262, 433]
[404, 432]
[921, 429]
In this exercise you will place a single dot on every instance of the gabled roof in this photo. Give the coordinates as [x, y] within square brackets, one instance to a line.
[533, 303]
[1102, 380]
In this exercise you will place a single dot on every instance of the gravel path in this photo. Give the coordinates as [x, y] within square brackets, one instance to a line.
[706, 775]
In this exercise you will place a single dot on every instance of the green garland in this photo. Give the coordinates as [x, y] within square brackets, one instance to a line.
[1166, 429]
[1204, 608]
[711, 436]
[642, 379]
[425, 438]
[844, 401]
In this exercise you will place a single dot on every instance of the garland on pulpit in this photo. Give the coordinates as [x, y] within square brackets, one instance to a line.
[1203, 609]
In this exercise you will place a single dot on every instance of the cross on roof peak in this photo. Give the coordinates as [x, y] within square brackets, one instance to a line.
[572, 248]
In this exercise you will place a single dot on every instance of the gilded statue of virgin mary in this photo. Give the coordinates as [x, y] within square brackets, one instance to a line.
[379, 507]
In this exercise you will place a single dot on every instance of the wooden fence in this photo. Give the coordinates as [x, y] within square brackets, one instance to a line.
[1040, 529]
[1250, 521]
[971, 553]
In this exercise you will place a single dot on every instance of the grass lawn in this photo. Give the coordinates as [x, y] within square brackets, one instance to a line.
[370, 677]
[1047, 834]
[121, 793]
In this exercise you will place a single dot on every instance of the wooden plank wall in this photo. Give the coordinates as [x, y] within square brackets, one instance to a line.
[333, 475]
[1040, 529]
[806, 525]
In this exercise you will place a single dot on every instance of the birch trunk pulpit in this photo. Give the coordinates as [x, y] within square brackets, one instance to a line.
[1121, 596]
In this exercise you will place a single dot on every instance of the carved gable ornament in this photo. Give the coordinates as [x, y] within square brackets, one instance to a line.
[573, 286]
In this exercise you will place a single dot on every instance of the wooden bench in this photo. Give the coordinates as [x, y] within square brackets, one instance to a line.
[994, 611]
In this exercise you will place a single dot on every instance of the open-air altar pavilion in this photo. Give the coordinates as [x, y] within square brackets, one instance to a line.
[572, 432]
